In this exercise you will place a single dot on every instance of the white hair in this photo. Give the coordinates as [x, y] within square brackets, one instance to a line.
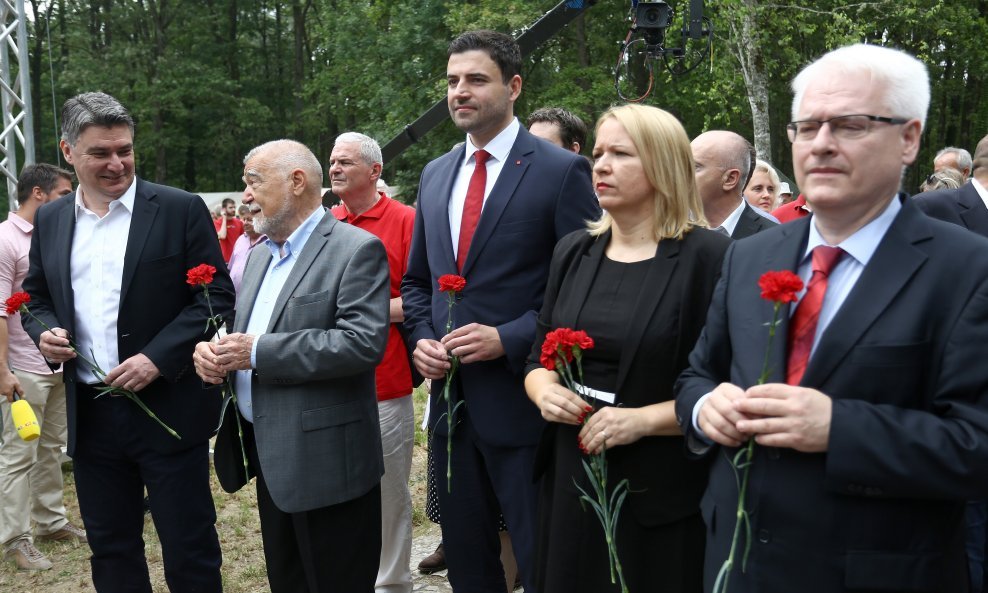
[905, 79]
[289, 155]
[370, 151]
[964, 160]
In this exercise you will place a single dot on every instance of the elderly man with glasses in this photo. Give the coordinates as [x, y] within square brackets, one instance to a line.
[872, 428]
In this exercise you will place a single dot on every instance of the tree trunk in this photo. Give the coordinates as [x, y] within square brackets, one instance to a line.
[756, 81]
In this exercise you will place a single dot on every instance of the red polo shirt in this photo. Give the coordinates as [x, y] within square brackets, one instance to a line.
[234, 228]
[793, 210]
[392, 223]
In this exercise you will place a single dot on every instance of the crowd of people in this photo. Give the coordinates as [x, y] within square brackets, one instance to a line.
[858, 395]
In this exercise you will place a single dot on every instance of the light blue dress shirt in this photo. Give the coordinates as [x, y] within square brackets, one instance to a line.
[283, 259]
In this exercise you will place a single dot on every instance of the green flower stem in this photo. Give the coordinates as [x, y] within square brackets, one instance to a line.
[743, 462]
[101, 375]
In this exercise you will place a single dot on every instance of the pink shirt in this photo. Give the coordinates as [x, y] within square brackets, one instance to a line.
[15, 243]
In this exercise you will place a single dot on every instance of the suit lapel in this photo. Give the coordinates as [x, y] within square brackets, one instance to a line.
[63, 252]
[312, 248]
[786, 257]
[518, 161]
[893, 264]
[974, 214]
[650, 294]
[447, 176]
[142, 218]
[586, 271]
[747, 224]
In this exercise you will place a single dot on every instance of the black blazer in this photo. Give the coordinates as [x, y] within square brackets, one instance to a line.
[750, 222]
[669, 315]
[962, 206]
[903, 361]
[160, 315]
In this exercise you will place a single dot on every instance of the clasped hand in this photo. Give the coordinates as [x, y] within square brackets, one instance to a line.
[471, 343]
[214, 360]
[775, 414]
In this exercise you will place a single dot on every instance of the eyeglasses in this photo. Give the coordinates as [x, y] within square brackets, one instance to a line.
[842, 127]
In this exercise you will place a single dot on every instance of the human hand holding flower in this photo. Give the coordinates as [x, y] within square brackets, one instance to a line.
[559, 404]
[612, 426]
[474, 342]
[431, 359]
[55, 346]
[718, 416]
[208, 371]
[133, 374]
[780, 415]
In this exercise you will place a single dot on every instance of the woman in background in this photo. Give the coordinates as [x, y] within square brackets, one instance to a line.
[763, 188]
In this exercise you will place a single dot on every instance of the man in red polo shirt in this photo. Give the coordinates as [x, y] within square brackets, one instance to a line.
[228, 228]
[793, 210]
[354, 169]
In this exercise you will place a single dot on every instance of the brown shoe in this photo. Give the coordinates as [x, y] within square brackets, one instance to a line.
[434, 562]
[68, 532]
[26, 556]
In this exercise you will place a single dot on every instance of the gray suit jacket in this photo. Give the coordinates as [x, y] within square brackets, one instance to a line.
[313, 396]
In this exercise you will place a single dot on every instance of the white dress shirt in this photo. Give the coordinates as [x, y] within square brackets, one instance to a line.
[981, 190]
[260, 314]
[732, 219]
[96, 263]
[858, 248]
[498, 148]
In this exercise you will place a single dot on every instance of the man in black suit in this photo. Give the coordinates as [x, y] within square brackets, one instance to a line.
[723, 167]
[965, 205]
[872, 429]
[107, 272]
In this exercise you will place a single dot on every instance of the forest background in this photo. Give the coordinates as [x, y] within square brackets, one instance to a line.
[209, 79]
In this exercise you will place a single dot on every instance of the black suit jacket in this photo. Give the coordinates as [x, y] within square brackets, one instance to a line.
[903, 361]
[669, 314]
[750, 223]
[160, 315]
[961, 206]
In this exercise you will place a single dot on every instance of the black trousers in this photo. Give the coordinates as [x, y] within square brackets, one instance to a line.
[112, 467]
[334, 549]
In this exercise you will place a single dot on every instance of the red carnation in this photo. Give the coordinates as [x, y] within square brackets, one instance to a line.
[200, 275]
[563, 343]
[16, 301]
[451, 283]
[780, 287]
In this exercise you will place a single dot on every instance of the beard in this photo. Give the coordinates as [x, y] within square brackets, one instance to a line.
[277, 223]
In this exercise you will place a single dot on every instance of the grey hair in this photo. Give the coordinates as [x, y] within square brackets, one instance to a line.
[288, 155]
[370, 151]
[964, 160]
[904, 79]
[92, 109]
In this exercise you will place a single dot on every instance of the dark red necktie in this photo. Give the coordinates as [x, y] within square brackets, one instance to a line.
[472, 206]
[802, 326]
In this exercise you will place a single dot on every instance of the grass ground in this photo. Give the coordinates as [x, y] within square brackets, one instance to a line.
[237, 524]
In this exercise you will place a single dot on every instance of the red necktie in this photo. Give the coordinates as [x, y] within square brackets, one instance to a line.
[472, 206]
[802, 326]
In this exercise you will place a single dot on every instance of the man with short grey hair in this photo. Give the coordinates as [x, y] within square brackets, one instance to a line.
[354, 172]
[107, 275]
[723, 166]
[311, 326]
[869, 409]
[955, 158]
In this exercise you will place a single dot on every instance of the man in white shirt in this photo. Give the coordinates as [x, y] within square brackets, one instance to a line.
[107, 280]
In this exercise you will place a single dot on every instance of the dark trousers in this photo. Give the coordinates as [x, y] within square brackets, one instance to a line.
[976, 517]
[487, 481]
[112, 467]
[334, 549]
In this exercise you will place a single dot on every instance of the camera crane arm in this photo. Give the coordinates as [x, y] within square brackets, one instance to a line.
[544, 29]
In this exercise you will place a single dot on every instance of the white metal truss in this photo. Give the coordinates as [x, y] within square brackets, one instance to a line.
[15, 95]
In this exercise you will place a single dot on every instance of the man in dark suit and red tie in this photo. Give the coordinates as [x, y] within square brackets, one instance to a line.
[872, 430]
[492, 211]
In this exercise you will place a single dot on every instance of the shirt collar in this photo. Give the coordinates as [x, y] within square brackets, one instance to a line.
[732, 219]
[863, 243]
[296, 241]
[124, 201]
[25, 226]
[375, 211]
[981, 190]
[500, 146]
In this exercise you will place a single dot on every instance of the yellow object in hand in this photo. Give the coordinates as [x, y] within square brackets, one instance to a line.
[25, 421]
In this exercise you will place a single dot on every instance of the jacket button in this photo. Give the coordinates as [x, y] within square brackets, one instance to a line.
[764, 536]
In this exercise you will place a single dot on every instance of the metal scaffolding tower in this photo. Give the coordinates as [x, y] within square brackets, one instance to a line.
[15, 95]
